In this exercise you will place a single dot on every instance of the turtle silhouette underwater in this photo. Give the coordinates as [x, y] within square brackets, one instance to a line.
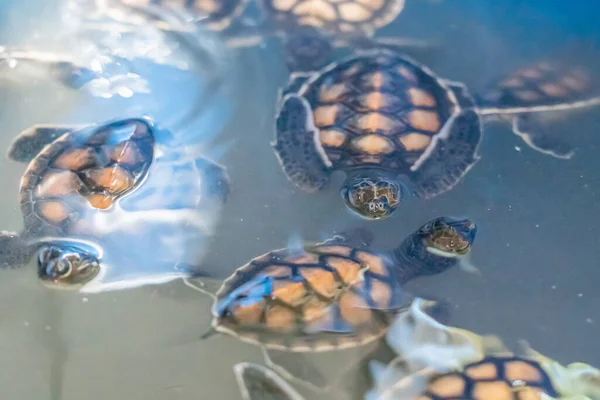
[336, 294]
[443, 362]
[395, 127]
[309, 29]
[94, 197]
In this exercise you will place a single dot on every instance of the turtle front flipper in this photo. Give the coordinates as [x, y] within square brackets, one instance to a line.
[14, 250]
[533, 133]
[216, 183]
[30, 142]
[297, 146]
[260, 383]
[449, 158]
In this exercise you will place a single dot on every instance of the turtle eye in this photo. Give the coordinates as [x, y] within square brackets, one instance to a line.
[372, 206]
[381, 206]
[59, 269]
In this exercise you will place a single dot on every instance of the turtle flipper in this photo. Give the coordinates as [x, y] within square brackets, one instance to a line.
[216, 178]
[394, 43]
[297, 146]
[28, 144]
[260, 383]
[455, 152]
[14, 251]
[357, 237]
[534, 134]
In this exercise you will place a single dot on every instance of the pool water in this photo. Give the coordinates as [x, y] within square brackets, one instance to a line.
[538, 241]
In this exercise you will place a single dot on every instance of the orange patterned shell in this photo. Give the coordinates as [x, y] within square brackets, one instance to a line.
[326, 297]
[335, 16]
[90, 169]
[543, 83]
[380, 110]
[501, 378]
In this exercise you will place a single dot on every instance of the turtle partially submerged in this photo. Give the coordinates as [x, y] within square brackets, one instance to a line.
[336, 294]
[94, 197]
[442, 362]
[394, 126]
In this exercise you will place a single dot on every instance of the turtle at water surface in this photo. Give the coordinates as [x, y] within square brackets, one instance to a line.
[394, 126]
[336, 294]
[94, 193]
[441, 362]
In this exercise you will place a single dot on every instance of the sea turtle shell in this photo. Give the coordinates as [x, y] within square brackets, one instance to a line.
[494, 377]
[383, 110]
[334, 16]
[89, 170]
[311, 300]
[543, 85]
[443, 362]
[215, 14]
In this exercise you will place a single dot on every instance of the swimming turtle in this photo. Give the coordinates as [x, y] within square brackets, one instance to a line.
[392, 125]
[336, 294]
[257, 382]
[309, 29]
[442, 362]
[94, 197]
[524, 97]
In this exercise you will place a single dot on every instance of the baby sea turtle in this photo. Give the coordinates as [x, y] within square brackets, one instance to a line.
[444, 362]
[260, 383]
[392, 124]
[309, 29]
[524, 95]
[336, 294]
[97, 196]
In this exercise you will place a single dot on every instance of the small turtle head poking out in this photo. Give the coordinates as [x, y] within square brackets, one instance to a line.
[372, 197]
[66, 267]
[449, 237]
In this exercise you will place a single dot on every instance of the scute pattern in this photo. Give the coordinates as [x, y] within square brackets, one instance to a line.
[80, 170]
[379, 110]
[335, 16]
[544, 83]
[494, 377]
[309, 296]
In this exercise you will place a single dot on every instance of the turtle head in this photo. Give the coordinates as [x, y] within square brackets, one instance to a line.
[66, 266]
[372, 197]
[449, 237]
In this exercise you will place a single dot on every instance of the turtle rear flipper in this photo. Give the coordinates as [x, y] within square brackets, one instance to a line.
[297, 147]
[30, 142]
[14, 251]
[529, 128]
[450, 156]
